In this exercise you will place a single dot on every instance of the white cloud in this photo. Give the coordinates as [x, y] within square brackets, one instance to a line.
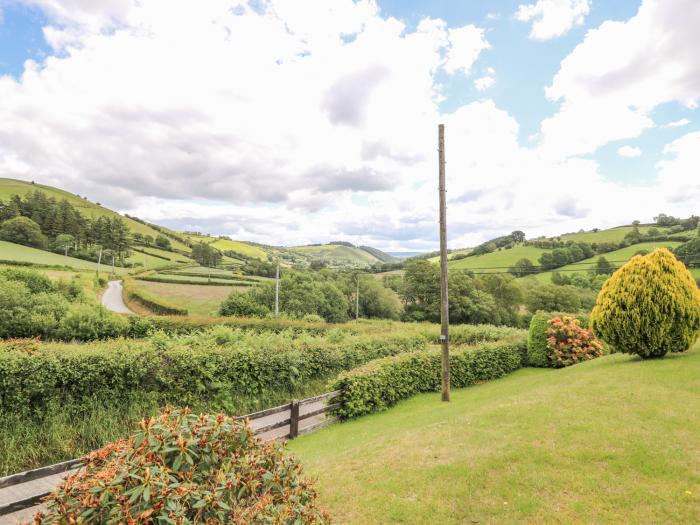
[487, 81]
[678, 175]
[629, 152]
[611, 82]
[553, 18]
[677, 123]
[466, 44]
[272, 125]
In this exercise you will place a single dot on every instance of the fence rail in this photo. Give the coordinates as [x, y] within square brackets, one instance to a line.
[292, 418]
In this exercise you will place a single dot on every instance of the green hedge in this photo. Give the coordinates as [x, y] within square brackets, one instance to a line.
[382, 383]
[155, 304]
[191, 372]
[537, 336]
[157, 279]
[225, 277]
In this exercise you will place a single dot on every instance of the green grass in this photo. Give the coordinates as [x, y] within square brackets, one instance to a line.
[615, 440]
[499, 260]
[610, 235]
[623, 254]
[10, 187]
[16, 252]
[240, 247]
[189, 279]
[199, 300]
[155, 262]
[336, 253]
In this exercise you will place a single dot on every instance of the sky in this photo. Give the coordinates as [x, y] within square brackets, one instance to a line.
[289, 122]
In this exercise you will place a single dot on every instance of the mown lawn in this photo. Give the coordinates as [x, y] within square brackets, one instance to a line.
[616, 440]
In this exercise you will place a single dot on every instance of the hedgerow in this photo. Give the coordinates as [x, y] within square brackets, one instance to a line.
[382, 383]
[208, 369]
[537, 353]
[167, 280]
[184, 468]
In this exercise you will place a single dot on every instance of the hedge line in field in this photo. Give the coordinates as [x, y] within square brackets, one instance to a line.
[34, 377]
[155, 304]
[158, 279]
[382, 383]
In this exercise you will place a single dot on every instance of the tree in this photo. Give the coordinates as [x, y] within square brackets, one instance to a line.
[649, 307]
[518, 236]
[546, 261]
[64, 242]
[22, 230]
[552, 298]
[603, 267]
[163, 242]
[523, 267]
[689, 253]
[205, 254]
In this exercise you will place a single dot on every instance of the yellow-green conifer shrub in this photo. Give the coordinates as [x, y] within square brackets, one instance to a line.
[649, 307]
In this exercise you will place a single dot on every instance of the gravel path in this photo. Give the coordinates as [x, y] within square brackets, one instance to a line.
[112, 298]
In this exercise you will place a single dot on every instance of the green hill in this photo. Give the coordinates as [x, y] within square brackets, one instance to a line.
[334, 254]
[499, 260]
[16, 252]
[10, 187]
[616, 257]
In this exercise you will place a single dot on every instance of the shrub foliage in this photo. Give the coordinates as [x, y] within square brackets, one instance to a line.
[384, 382]
[183, 468]
[538, 353]
[569, 343]
[649, 307]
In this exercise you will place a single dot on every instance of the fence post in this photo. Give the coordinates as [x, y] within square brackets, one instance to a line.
[294, 419]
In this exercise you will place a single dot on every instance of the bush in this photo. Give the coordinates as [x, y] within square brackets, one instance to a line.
[384, 382]
[84, 322]
[183, 468]
[36, 282]
[537, 351]
[193, 370]
[24, 314]
[243, 305]
[569, 343]
[22, 230]
[649, 307]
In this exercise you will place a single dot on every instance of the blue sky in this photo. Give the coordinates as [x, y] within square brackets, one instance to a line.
[316, 117]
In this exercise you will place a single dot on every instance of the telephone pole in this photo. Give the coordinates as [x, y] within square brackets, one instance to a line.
[357, 299]
[277, 290]
[444, 304]
[99, 260]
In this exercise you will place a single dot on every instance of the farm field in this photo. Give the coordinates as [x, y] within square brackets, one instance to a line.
[617, 257]
[240, 247]
[157, 262]
[202, 279]
[10, 187]
[199, 300]
[499, 260]
[336, 252]
[610, 235]
[17, 252]
[622, 446]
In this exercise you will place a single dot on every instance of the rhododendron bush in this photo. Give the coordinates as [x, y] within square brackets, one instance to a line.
[183, 468]
[568, 343]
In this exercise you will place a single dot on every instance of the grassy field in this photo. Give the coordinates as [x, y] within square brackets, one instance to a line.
[617, 257]
[337, 253]
[16, 252]
[10, 187]
[615, 440]
[202, 279]
[500, 260]
[156, 262]
[240, 247]
[197, 299]
[610, 235]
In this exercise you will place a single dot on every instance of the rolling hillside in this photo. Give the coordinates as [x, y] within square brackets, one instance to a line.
[10, 187]
[16, 252]
[498, 261]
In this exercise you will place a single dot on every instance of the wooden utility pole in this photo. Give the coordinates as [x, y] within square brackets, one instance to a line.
[357, 299]
[444, 304]
[99, 260]
[277, 290]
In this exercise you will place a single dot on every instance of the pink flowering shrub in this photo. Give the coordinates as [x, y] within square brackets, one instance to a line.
[568, 343]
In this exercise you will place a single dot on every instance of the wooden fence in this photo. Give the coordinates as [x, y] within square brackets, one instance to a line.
[18, 492]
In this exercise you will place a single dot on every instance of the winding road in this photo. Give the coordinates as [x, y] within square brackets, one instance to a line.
[113, 300]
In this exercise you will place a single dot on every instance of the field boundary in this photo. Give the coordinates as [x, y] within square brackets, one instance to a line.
[292, 420]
